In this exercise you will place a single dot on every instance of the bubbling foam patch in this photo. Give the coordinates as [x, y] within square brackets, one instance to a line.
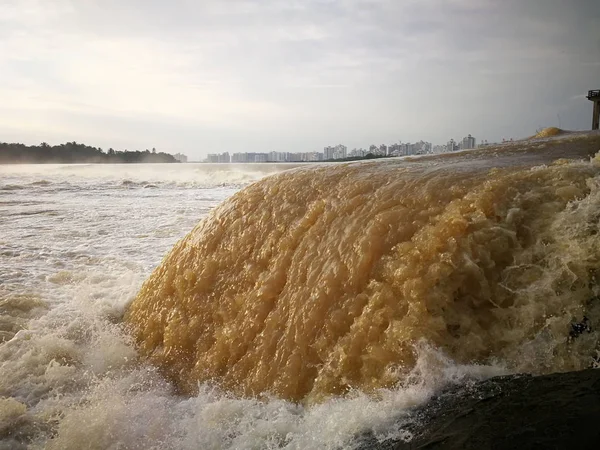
[138, 411]
[319, 281]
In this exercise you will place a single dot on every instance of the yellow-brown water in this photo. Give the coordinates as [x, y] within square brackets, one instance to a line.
[316, 281]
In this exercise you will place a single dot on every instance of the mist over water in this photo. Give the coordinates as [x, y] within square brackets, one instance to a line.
[309, 307]
[57, 176]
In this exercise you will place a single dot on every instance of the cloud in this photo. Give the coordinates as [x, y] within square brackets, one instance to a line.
[294, 75]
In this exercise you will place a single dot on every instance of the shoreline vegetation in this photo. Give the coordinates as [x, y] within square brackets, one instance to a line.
[76, 153]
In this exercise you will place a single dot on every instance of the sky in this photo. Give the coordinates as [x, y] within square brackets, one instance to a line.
[208, 76]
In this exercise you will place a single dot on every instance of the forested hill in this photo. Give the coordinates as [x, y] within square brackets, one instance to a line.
[72, 152]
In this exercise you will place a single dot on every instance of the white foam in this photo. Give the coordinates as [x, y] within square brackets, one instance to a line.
[139, 410]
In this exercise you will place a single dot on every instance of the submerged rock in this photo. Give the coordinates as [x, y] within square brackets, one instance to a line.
[557, 411]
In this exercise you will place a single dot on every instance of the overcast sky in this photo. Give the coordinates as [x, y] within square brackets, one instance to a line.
[209, 76]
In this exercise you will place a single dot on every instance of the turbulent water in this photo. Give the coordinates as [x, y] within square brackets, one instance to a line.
[310, 306]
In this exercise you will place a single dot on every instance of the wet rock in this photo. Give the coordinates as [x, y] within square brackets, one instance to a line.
[578, 328]
[557, 411]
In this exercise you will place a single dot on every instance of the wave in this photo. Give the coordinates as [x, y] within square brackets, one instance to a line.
[11, 187]
[131, 176]
[71, 365]
[319, 281]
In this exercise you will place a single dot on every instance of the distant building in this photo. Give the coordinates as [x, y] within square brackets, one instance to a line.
[313, 156]
[378, 151]
[421, 148]
[328, 152]
[451, 146]
[468, 143]
[276, 157]
[358, 152]
[261, 157]
[239, 158]
[180, 157]
[340, 151]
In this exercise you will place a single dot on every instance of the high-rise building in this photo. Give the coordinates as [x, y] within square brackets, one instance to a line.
[468, 143]
[340, 151]
[261, 157]
[239, 158]
[328, 152]
[358, 152]
[276, 157]
[451, 146]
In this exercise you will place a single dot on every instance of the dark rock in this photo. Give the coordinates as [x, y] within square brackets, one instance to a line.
[579, 328]
[557, 411]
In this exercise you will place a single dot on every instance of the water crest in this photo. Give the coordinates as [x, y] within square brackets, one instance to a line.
[319, 281]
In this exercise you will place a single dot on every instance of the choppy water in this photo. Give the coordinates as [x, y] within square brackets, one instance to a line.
[77, 242]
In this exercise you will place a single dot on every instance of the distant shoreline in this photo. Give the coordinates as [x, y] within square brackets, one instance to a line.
[15, 163]
[75, 153]
[341, 160]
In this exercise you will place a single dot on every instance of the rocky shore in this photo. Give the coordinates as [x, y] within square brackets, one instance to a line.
[557, 411]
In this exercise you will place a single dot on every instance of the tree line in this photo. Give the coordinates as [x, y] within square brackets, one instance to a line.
[73, 152]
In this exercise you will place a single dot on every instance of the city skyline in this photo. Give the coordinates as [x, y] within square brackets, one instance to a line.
[200, 77]
[340, 152]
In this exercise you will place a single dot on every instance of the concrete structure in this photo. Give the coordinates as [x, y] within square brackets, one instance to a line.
[421, 148]
[276, 157]
[328, 152]
[394, 150]
[451, 146]
[180, 157]
[239, 158]
[358, 152]
[594, 96]
[224, 158]
[340, 151]
[468, 143]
